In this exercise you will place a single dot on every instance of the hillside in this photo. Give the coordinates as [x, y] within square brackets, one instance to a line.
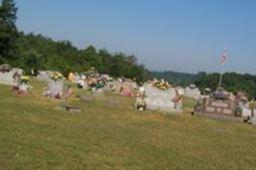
[37, 52]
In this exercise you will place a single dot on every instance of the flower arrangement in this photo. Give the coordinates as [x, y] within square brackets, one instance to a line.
[140, 104]
[221, 94]
[56, 76]
[162, 85]
[92, 72]
[24, 79]
[252, 104]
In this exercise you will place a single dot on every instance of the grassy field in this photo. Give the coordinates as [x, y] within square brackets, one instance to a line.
[110, 134]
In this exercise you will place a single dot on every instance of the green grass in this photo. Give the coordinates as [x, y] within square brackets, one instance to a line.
[110, 134]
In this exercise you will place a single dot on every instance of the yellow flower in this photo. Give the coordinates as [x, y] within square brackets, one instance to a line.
[24, 78]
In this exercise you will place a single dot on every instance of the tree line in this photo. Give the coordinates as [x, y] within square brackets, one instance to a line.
[40, 53]
[233, 82]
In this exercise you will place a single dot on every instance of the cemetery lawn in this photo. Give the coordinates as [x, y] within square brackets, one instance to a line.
[110, 134]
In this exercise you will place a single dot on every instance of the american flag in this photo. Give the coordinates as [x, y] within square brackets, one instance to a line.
[224, 57]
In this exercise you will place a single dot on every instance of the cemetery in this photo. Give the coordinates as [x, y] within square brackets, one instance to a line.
[154, 95]
[93, 116]
[127, 85]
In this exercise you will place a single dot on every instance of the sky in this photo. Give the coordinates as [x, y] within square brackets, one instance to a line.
[180, 35]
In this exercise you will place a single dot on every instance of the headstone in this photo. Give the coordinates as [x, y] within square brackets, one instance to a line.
[157, 99]
[253, 120]
[44, 76]
[222, 107]
[69, 108]
[126, 88]
[219, 105]
[6, 77]
[192, 92]
[55, 89]
[23, 87]
[246, 112]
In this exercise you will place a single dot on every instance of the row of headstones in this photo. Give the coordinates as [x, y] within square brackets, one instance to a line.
[56, 86]
[156, 99]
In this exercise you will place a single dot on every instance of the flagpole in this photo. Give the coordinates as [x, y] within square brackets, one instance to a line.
[223, 59]
[221, 75]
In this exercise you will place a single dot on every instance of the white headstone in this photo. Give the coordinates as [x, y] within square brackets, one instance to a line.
[55, 87]
[44, 76]
[6, 78]
[157, 99]
[192, 92]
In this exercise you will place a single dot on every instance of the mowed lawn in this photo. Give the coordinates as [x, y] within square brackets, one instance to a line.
[110, 134]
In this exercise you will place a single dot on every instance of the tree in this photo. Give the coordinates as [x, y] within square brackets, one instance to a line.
[90, 55]
[32, 62]
[8, 31]
[106, 59]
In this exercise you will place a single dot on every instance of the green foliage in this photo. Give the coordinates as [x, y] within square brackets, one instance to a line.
[32, 61]
[38, 52]
[8, 31]
[233, 82]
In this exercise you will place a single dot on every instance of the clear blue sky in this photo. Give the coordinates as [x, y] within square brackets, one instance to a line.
[181, 35]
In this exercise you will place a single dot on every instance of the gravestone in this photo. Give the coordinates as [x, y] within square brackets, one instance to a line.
[44, 76]
[253, 121]
[157, 99]
[219, 105]
[192, 92]
[6, 77]
[55, 88]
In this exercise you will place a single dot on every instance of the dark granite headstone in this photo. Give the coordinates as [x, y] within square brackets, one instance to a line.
[222, 107]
